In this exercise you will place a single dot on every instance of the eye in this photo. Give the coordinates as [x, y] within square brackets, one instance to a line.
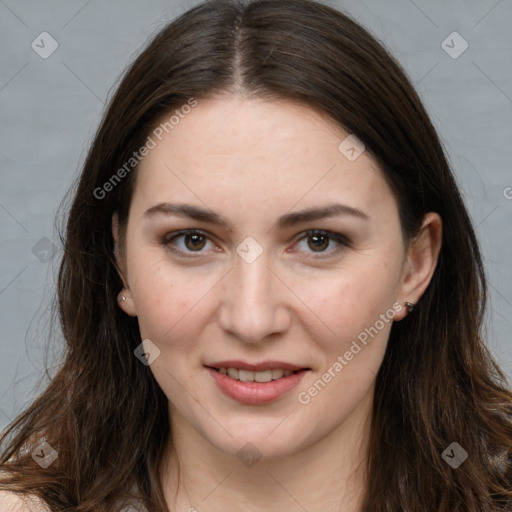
[193, 241]
[318, 241]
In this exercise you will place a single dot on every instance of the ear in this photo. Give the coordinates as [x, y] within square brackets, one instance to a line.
[125, 304]
[421, 261]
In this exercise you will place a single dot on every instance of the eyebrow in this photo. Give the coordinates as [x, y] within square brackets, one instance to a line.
[287, 220]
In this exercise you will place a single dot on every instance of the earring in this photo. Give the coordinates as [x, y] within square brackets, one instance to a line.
[410, 306]
[124, 298]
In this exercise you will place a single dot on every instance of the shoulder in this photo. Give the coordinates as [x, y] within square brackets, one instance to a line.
[12, 502]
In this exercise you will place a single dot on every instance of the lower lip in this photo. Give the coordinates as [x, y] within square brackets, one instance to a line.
[253, 393]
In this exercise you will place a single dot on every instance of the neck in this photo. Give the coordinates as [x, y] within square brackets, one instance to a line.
[327, 476]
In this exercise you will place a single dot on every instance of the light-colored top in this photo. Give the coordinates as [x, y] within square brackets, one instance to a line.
[12, 502]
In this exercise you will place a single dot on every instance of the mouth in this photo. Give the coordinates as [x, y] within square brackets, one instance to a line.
[252, 387]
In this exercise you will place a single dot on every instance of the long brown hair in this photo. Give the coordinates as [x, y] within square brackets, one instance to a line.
[103, 411]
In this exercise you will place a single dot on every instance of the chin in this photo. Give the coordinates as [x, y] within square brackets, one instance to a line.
[253, 439]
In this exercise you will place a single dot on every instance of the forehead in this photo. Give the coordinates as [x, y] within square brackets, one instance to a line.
[254, 153]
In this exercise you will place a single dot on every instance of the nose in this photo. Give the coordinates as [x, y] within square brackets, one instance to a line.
[254, 301]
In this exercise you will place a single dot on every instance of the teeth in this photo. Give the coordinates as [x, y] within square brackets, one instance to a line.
[277, 374]
[245, 375]
[249, 376]
[265, 376]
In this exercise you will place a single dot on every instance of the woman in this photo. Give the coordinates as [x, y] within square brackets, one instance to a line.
[268, 268]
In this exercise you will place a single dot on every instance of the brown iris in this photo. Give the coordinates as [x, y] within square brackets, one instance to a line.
[320, 242]
[198, 241]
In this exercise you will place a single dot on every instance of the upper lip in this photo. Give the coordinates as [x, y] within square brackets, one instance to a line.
[257, 367]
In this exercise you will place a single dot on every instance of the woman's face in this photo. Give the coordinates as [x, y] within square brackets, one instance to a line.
[260, 281]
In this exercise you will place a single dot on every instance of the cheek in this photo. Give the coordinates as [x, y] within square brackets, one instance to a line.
[350, 300]
[355, 307]
[168, 298]
[356, 312]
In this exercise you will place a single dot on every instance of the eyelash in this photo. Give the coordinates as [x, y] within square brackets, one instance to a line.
[343, 241]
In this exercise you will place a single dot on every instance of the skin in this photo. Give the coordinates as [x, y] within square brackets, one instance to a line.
[252, 161]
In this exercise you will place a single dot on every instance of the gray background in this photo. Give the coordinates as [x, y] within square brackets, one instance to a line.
[51, 107]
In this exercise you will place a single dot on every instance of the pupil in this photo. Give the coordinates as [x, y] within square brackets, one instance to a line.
[195, 239]
[319, 246]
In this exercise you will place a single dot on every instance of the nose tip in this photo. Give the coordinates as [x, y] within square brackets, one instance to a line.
[252, 306]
